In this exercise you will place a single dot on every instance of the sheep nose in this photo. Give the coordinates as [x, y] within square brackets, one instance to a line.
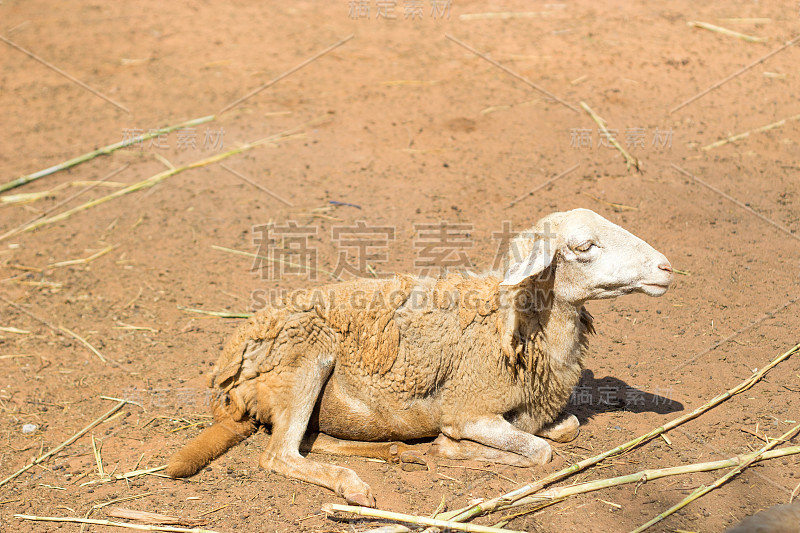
[666, 267]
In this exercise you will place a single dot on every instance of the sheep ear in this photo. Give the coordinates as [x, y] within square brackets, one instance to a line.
[537, 261]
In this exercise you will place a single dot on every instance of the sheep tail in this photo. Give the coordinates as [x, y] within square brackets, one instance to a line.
[209, 444]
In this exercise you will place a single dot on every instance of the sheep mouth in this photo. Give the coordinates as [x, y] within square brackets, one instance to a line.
[654, 289]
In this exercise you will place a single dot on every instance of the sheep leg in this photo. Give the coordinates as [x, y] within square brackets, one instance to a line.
[465, 450]
[564, 429]
[289, 422]
[391, 452]
[497, 432]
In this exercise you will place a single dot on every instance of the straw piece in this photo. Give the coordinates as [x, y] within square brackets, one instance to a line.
[140, 527]
[153, 518]
[161, 176]
[46, 212]
[703, 490]
[64, 444]
[725, 31]
[83, 261]
[505, 15]
[101, 151]
[507, 499]
[273, 260]
[741, 136]
[629, 159]
[735, 74]
[418, 520]
[84, 342]
[220, 314]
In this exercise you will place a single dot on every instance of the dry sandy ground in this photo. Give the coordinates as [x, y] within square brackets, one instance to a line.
[414, 129]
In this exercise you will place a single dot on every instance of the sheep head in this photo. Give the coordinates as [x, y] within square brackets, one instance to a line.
[586, 257]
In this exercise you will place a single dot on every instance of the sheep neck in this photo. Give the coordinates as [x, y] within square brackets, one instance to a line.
[555, 323]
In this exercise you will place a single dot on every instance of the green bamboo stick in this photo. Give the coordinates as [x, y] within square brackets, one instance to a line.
[558, 493]
[703, 490]
[504, 501]
[410, 519]
[158, 178]
[22, 180]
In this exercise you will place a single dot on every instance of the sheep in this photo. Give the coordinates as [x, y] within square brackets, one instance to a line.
[777, 519]
[484, 363]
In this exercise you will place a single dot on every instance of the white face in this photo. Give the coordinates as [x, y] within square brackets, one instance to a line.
[594, 259]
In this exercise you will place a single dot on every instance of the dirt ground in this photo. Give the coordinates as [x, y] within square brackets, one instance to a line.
[414, 130]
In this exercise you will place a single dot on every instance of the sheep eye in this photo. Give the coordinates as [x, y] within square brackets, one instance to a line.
[584, 247]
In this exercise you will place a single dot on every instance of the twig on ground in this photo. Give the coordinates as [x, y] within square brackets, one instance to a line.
[161, 176]
[558, 493]
[740, 136]
[629, 159]
[84, 342]
[64, 444]
[82, 261]
[735, 74]
[703, 490]
[153, 518]
[140, 527]
[410, 519]
[101, 151]
[46, 212]
[221, 314]
[726, 31]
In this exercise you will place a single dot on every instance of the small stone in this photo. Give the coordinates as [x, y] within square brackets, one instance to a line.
[27, 429]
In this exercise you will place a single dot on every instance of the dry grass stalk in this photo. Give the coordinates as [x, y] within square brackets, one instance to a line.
[629, 159]
[127, 475]
[725, 31]
[30, 197]
[97, 458]
[14, 330]
[703, 490]
[735, 74]
[410, 519]
[64, 444]
[83, 261]
[220, 314]
[161, 176]
[30, 314]
[153, 518]
[140, 527]
[740, 136]
[616, 207]
[101, 151]
[394, 528]
[511, 72]
[274, 260]
[501, 502]
[43, 214]
[84, 342]
[505, 15]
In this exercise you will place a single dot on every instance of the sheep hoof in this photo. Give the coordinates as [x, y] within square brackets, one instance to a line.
[360, 498]
[564, 430]
[413, 461]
